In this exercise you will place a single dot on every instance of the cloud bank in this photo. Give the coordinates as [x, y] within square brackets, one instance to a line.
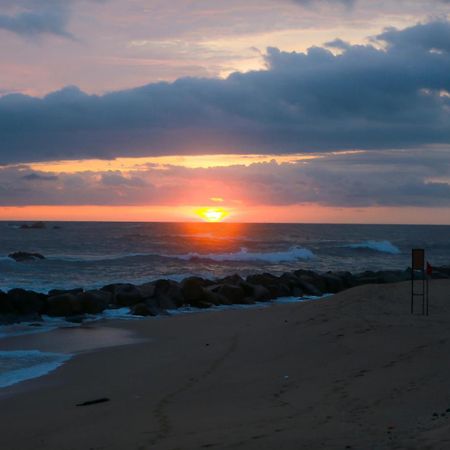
[415, 178]
[365, 97]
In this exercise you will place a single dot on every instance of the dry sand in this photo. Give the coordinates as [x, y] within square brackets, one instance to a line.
[352, 371]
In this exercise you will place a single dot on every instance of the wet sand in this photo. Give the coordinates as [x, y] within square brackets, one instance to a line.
[352, 371]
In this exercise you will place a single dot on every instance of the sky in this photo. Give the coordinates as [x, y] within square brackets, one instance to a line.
[273, 110]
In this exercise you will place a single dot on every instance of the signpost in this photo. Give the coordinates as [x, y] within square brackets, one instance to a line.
[419, 279]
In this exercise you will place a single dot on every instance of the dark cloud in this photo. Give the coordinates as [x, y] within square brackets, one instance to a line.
[38, 177]
[36, 17]
[365, 97]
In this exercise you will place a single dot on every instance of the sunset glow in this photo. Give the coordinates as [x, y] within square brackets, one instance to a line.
[212, 214]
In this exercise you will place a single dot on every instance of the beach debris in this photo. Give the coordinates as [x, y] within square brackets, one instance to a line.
[94, 402]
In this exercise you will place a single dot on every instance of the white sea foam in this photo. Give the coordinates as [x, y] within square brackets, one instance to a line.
[379, 246]
[21, 365]
[291, 255]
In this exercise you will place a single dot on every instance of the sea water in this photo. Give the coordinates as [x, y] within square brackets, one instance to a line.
[21, 365]
[91, 255]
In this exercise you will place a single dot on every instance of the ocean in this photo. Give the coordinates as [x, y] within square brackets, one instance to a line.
[91, 255]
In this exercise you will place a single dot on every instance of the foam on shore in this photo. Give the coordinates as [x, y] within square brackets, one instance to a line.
[21, 365]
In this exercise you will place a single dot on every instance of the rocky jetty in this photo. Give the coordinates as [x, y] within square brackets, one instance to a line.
[25, 256]
[156, 297]
[33, 226]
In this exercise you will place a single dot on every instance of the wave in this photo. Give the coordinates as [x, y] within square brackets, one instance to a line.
[20, 365]
[379, 246]
[243, 255]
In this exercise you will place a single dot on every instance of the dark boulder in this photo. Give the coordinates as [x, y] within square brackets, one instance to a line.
[64, 305]
[234, 294]
[53, 292]
[276, 287]
[231, 279]
[310, 282]
[124, 294]
[168, 294]
[333, 282]
[193, 290]
[142, 309]
[6, 305]
[33, 226]
[259, 293]
[95, 301]
[26, 302]
[147, 290]
[25, 256]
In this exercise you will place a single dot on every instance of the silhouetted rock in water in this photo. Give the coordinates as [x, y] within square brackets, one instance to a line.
[26, 302]
[64, 305]
[142, 309]
[57, 227]
[234, 294]
[259, 293]
[25, 256]
[124, 294]
[271, 282]
[64, 291]
[168, 294]
[6, 305]
[33, 226]
[95, 301]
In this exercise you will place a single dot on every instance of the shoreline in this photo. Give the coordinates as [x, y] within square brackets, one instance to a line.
[356, 369]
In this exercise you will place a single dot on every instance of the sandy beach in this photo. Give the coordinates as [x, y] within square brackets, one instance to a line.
[355, 370]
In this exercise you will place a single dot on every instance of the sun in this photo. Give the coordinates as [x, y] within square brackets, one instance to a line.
[212, 214]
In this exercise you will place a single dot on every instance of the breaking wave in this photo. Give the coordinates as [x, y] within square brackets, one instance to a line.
[379, 246]
[291, 255]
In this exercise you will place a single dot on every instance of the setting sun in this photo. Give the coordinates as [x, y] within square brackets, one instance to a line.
[212, 214]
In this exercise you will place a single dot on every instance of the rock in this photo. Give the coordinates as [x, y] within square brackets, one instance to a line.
[275, 286]
[309, 289]
[6, 305]
[291, 281]
[333, 282]
[64, 305]
[53, 292]
[232, 279]
[25, 256]
[310, 282]
[95, 301]
[124, 294]
[142, 309]
[260, 293]
[26, 302]
[234, 294]
[168, 294]
[193, 290]
[393, 276]
[215, 299]
[147, 290]
[35, 226]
